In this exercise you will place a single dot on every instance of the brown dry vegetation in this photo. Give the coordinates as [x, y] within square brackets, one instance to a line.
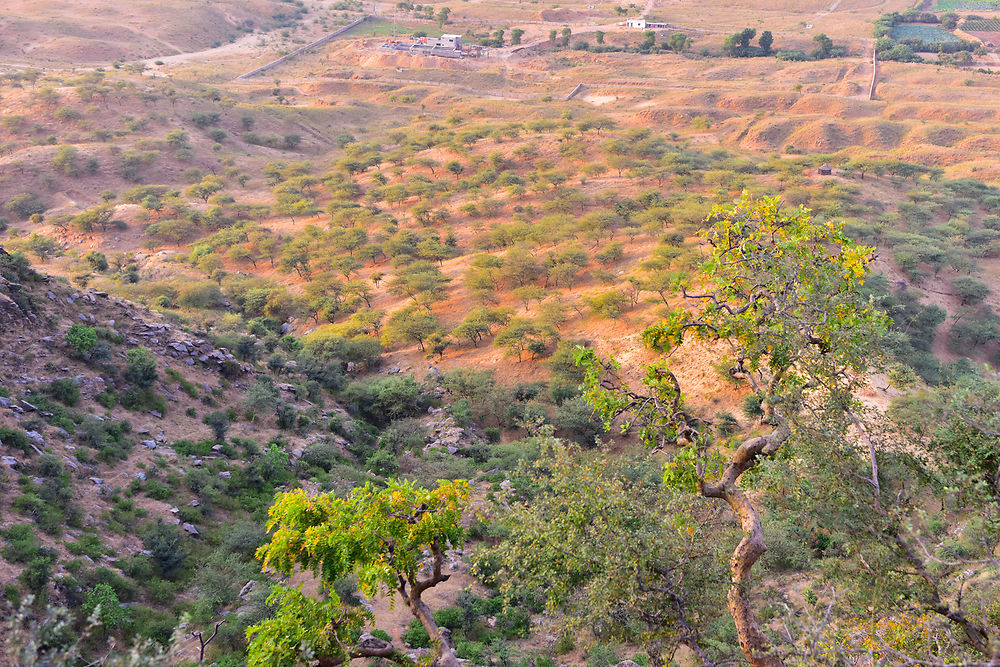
[758, 115]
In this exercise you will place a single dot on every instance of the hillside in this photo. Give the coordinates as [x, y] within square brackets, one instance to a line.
[526, 354]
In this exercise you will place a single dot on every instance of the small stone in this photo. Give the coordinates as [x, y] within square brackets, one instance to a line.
[189, 528]
[247, 588]
[141, 476]
[225, 475]
[156, 413]
[97, 480]
[10, 461]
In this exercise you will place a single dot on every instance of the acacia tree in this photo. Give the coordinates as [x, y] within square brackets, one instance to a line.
[379, 534]
[782, 293]
[613, 549]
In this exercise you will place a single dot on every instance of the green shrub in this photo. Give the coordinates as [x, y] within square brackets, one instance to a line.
[165, 544]
[601, 655]
[969, 290]
[564, 644]
[140, 367]
[244, 539]
[322, 454]
[15, 438]
[346, 589]
[385, 399]
[81, 339]
[452, 618]
[157, 491]
[35, 577]
[726, 424]
[64, 390]
[218, 421]
[474, 652]
[89, 545]
[787, 546]
[461, 412]
[416, 636]
[107, 399]
[22, 543]
[111, 613]
[514, 622]
[752, 406]
[382, 463]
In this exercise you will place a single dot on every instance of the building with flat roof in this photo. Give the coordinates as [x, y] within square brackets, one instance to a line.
[449, 42]
[640, 23]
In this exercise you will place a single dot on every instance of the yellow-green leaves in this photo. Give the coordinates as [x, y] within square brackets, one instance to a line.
[301, 629]
[374, 532]
[379, 534]
[781, 291]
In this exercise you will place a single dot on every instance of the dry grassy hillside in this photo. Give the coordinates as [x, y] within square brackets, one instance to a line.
[367, 264]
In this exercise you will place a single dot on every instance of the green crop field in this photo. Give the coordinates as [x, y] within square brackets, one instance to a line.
[982, 25]
[384, 28]
[930, 34]
[943, 5]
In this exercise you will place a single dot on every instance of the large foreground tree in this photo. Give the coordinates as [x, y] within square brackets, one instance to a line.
[779, 293]
[379, 534]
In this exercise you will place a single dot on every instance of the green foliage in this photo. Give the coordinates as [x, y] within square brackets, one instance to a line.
[81, 339]
[969, 290]
[140, 367]
[416, 635]
[64, 390]
[15, 438]
[218, 421]
[103, 600]
[22, 545]
[382, 400]
[551, 546]
[49, 636]
[89, 545]
[378, 534]
[25, 204]
[165, 544]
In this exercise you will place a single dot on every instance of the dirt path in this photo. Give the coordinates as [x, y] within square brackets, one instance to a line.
[829, 10]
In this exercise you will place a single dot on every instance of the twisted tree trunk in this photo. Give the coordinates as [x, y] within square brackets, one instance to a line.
[756, 645]
[411, 591]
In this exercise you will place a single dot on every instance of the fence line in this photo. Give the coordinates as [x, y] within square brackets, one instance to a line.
[300, 51]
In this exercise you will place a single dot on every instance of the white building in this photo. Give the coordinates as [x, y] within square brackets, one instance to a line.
[640, 23]
[448, 42]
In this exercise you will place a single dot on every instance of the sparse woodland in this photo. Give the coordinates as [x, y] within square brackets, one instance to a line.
[424, 376]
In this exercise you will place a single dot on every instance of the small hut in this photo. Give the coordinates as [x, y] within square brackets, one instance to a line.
[825, 170]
